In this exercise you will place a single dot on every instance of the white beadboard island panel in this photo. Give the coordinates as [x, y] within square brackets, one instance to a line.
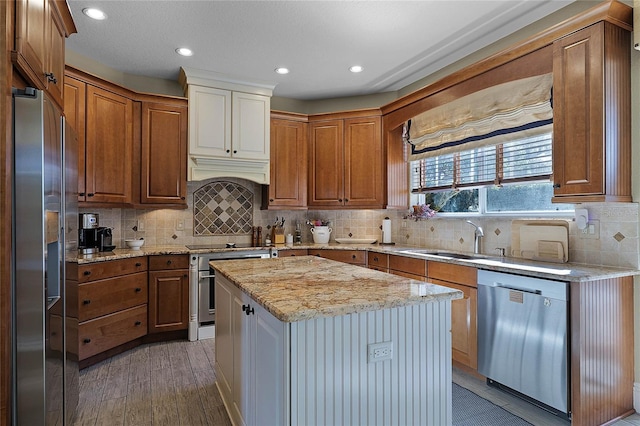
[332, 382]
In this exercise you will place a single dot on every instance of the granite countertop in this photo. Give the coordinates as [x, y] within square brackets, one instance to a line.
[306, 287]
[554, 271]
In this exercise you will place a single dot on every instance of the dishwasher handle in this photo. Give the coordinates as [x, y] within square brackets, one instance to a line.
[515, 288]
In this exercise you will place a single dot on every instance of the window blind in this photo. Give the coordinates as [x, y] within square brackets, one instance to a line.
[524, 159]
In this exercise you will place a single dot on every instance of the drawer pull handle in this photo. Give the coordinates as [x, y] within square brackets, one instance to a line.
[138, 289]
[81, 194]
[86, 302]
[185, 276]
[87, 341]
[556, 186]
[51, 77]
[247, 309]
[138, 264]
[138, 323]
[90, 194]
[375, 259]
[87, 273]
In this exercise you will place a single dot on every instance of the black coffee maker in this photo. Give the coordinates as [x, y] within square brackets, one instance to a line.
[104, 239]
[88, 240]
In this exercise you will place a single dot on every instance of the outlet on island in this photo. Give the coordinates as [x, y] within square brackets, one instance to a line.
[379, 351]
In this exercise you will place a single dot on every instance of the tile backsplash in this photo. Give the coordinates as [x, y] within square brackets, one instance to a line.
[617, 244]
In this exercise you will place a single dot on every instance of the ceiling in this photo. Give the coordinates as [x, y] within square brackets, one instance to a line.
[397, 42]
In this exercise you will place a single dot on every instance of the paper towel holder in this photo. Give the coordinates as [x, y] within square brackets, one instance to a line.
[382, 242]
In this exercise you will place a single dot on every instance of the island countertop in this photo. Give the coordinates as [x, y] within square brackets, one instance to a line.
[301, 288]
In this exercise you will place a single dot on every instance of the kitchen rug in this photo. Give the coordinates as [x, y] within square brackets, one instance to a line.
[470, 409]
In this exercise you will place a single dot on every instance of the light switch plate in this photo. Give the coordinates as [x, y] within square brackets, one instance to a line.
[591, 232]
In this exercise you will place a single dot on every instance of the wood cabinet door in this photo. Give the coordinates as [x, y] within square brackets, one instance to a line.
[164, 154]
[288, 180]
[326, 164]
[74, 111]
[578, 96]
[109, 147]
[56, 37]
[168, 300]
[31, 46]
[250, 123]
[363, 162]
[209, 121]
[464, 325]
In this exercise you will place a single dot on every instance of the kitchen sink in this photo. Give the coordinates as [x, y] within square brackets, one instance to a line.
[449, 255]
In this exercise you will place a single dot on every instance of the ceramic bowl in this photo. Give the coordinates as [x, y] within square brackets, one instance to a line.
[134, 244]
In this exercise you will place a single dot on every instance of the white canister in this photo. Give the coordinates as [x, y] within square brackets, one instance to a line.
[321, 234]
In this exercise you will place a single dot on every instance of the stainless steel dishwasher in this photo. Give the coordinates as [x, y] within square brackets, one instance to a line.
[522, 337]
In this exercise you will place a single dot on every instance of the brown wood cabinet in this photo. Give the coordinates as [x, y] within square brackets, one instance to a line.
[288, 164]
[168, 293]
[345, 162]
[110, 302]
[132, 148]
[354, 257]
[41, 29]
[164, 153]
[378, 261]
[592, 115]
[464, 320]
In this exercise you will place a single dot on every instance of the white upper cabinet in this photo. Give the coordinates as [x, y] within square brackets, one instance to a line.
[229, 126]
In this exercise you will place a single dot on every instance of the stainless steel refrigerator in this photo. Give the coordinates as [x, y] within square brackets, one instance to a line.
[45, 215]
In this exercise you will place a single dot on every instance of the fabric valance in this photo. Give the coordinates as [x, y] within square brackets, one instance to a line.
[498, 114]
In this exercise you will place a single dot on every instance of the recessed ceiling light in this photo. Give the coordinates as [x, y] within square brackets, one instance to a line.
[356, 68]
[282, 70]
[94, 13]
[184, 51]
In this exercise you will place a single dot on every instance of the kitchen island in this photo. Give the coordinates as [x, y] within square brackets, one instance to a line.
[307, 340]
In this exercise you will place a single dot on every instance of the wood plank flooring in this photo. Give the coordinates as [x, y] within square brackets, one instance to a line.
[170, 383]
[173, 383]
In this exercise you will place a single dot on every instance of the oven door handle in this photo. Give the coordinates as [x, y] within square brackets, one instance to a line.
[206, 276]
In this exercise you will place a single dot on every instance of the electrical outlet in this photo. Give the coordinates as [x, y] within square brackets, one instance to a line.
[140, 225]
[379, 351]
[404, 223]
[591, 232]
[180, 225]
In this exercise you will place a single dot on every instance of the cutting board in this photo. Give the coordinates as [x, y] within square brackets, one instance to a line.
[543, 242]
[540, 240]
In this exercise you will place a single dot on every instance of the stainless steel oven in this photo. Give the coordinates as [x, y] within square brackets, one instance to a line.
[205, 311]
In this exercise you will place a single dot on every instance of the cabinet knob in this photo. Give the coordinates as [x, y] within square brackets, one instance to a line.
[81, 194]
[138, 264]
[346, 200]
[245, 307]
[169, 262]
[87, 273]
[51, 77]
[90, 194]
[271, 200]
[228, 151]
[375, 259]
[182, 198]
[235, 152]
[86, 341]
[249, 310]
[353, 256]
[86, 302]
[138, 290]
[138, 323]
[185, 276]
[340, 199]
[556, 185]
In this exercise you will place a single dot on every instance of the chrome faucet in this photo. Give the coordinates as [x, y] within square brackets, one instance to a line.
[479, 233]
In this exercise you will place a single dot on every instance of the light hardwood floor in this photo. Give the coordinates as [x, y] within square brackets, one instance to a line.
[173, 383]
[170, 383]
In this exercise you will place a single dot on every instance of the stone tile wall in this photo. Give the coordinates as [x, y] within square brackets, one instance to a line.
[617, 245]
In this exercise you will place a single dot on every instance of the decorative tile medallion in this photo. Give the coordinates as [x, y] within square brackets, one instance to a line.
[619, 237]
[461, 240]
[222, 208]
[497, 231]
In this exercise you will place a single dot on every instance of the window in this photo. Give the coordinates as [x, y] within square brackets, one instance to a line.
[509, 177]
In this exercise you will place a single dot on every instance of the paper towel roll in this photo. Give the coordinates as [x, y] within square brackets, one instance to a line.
[386, 230]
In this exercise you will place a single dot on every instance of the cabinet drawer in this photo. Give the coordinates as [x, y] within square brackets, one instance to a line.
[169, 261]
[111, 295]
[112, 268]
[107, 332]
[355, 257]
[408, 275]
[377, 260]
[408, 264]
[293, 252]
[453, 273]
